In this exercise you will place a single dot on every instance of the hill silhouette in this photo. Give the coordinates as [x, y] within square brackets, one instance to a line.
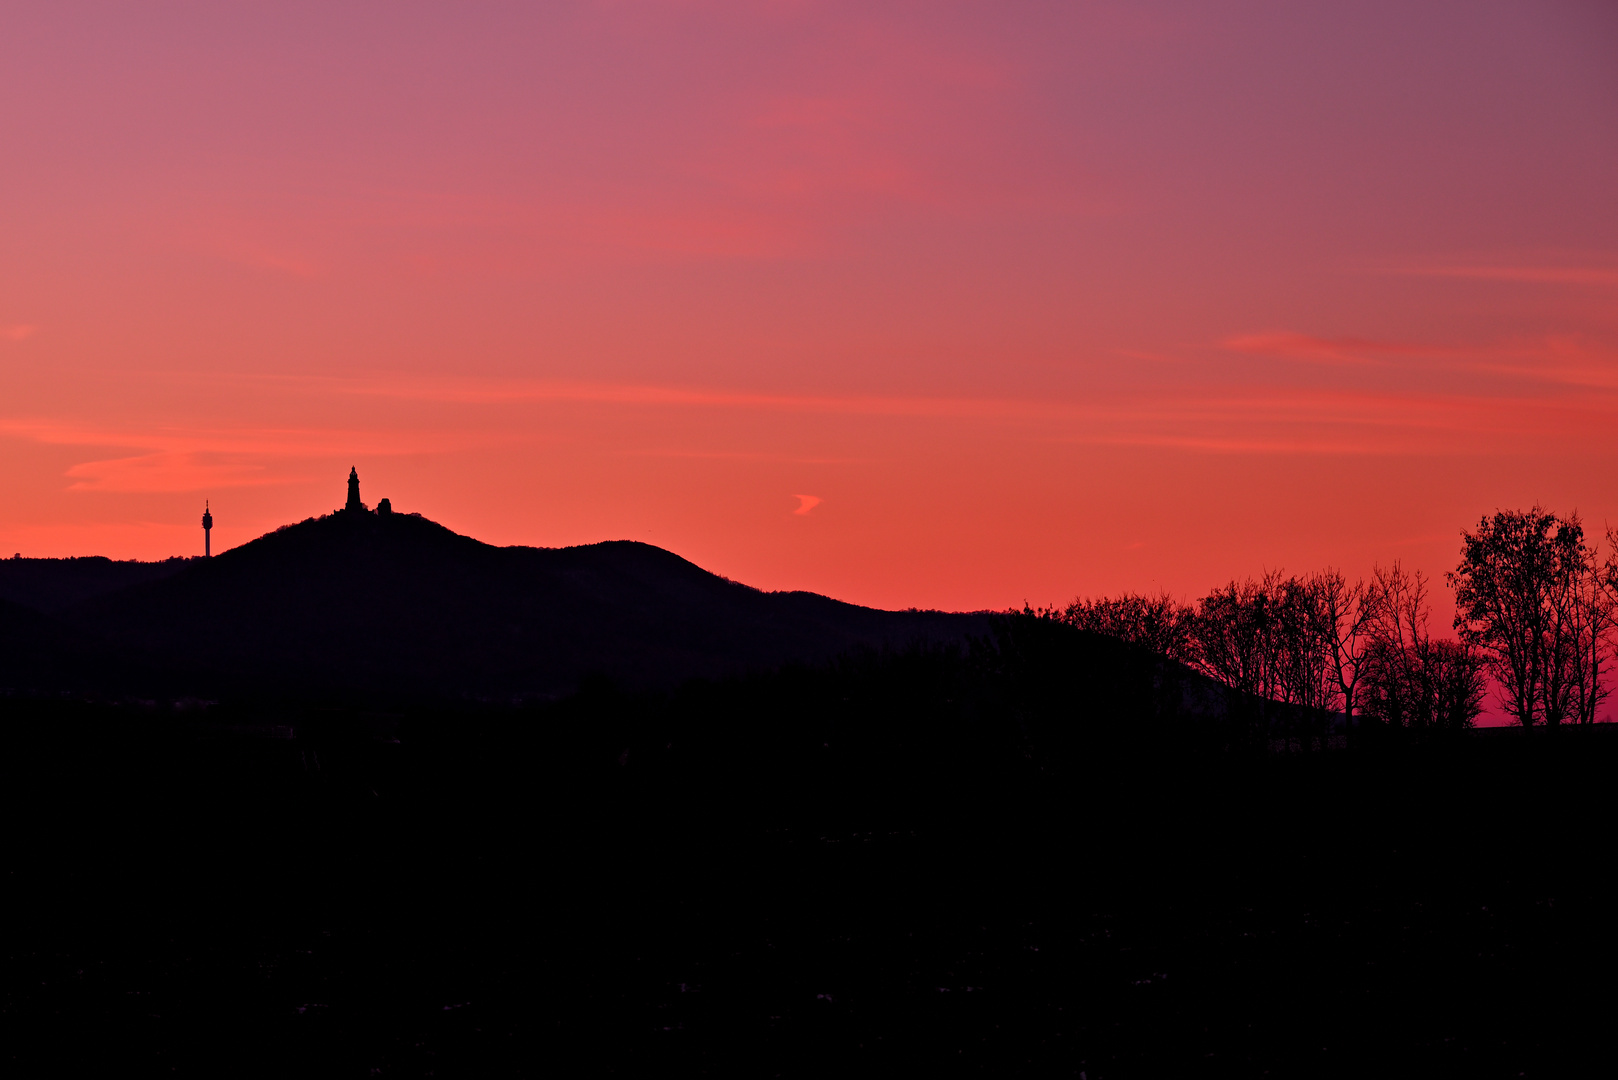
[53, 585]
[398, 603]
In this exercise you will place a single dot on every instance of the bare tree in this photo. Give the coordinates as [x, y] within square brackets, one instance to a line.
[1159, 623]
[1345, 615]
[1521, 595]
[1233, 636]
[1455, 673]
[1565, 590]
[1594, 610]
[1395, 661]
[1413, 680]
[1308, 674]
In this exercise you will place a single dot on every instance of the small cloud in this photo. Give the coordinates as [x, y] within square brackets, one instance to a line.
[1285, 343]
[18, 331]
[806, 503]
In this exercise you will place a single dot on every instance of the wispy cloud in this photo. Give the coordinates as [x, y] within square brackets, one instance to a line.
[18, 331]
[1331, 350]
[167, 459]
[1560, 360]
[1330, 422]
[501, 391]
[806, 503]
[1259, 419]
[453, 414]
[173, 472]
[1543, 275]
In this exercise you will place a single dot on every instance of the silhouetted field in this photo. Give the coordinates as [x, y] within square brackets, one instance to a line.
[1025, 858]
[368, 798]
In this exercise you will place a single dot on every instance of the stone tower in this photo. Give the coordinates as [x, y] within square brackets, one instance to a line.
[354, 491]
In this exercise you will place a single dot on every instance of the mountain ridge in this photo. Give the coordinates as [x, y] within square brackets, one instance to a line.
[397, 603]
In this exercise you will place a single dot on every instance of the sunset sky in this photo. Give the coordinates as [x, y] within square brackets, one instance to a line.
[939, 305]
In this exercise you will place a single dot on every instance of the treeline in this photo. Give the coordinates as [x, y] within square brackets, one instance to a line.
[1535, 611]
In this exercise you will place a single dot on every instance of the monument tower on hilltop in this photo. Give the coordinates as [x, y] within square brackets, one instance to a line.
[207, 531]
[354, 491]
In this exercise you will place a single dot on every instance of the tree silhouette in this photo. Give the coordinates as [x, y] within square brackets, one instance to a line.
[1291, 651]
[1345, 615]
[1302, 654]
[1412, 680]
[1603, 624]
[1159, 623]
[1457, 682]
[1530, 593]
[1594, 618]
[1233, 632]
[1268, 643]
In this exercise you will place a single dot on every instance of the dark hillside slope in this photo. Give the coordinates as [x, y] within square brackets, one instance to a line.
[376, 603]
[35, 652]
[53, 585]
[40, 655]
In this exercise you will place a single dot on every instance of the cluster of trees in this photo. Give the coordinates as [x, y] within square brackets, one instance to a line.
[1318, 642]
[1535, 610]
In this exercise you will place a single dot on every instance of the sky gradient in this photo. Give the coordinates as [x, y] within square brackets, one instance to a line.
[937, 305]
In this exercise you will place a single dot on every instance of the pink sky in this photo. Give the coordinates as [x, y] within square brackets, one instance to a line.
[952, 305]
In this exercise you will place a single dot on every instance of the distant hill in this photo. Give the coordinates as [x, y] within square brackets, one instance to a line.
[397, 603]
[53, 585]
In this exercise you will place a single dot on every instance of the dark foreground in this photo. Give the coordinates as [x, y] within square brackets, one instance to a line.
[191, 894]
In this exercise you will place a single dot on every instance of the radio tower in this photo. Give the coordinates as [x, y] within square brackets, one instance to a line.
[207, 531]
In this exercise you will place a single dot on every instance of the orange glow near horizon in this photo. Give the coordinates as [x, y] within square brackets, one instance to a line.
[1037, 301]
